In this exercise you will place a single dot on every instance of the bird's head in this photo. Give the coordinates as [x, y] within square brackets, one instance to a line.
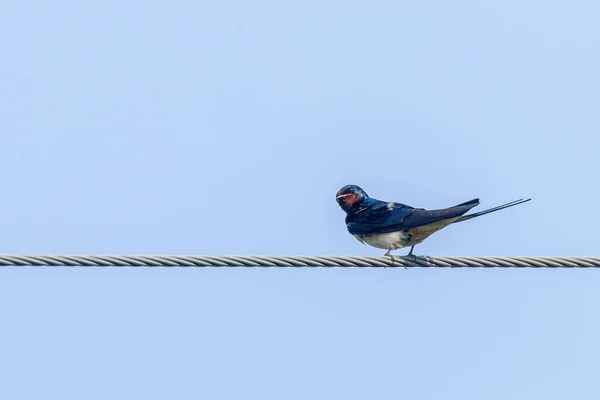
[350, 196]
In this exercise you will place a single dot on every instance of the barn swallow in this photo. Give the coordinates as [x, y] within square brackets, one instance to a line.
[391, 226]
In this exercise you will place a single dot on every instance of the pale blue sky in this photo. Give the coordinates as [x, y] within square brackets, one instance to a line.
[193, 127]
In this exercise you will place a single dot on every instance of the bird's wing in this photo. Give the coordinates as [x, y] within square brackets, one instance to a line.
[376, 218]
[425, 217]
[385, 218]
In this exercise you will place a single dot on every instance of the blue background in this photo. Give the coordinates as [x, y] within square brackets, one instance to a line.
[224, 128]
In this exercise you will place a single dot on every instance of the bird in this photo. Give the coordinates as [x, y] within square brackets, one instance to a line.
[391, 225]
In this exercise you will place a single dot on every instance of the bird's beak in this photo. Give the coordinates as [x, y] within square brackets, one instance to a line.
[342, 195]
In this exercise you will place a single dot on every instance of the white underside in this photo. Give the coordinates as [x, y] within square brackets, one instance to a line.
[400, 239]
[386, 241]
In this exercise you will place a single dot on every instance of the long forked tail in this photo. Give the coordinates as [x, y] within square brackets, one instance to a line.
[491, 210]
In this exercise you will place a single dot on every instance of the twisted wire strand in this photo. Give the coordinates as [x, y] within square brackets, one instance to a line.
[296, 261]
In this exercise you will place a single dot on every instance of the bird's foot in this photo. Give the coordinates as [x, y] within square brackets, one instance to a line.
[390, 255]
[411, 255]
[416, 258]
